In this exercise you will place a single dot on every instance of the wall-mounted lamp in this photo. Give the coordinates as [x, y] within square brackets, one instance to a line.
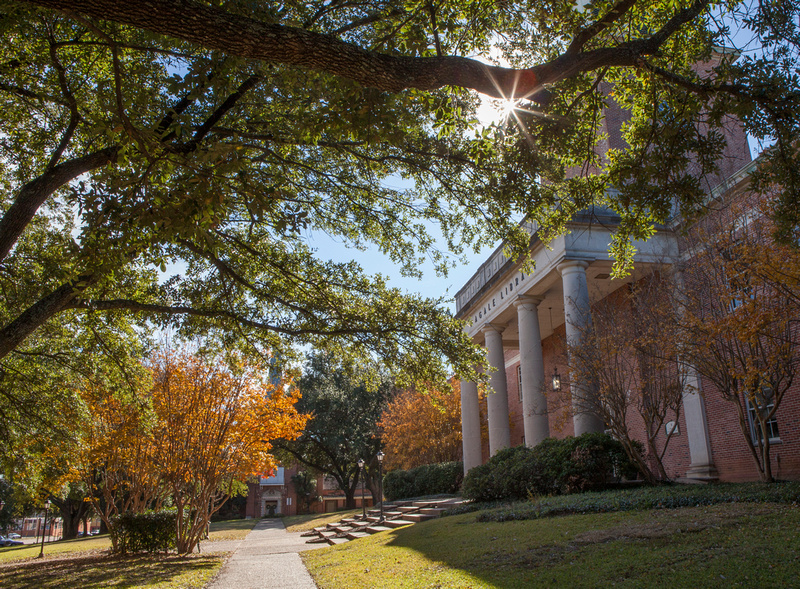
[556, 380]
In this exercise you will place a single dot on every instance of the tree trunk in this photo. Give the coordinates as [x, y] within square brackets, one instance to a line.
[350, 498]
[72, 512]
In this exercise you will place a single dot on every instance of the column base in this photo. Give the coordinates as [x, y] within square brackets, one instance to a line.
[702, 472]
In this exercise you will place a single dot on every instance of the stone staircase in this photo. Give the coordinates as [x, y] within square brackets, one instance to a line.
[395, 515]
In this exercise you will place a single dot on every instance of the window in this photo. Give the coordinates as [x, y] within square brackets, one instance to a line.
[519, 382]
[765, 401]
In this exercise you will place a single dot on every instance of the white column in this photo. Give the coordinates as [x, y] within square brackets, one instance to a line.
[694, 410]
[470, 425]
[534, 403]
[577, 312]
[497, 399]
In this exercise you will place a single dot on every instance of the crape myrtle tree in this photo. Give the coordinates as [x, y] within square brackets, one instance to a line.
[345, 405]
[43, 411]
[743, 331]
[194, 433]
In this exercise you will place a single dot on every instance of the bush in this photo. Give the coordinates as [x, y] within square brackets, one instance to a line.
[430, 479]
[508, 475]
[150, 531]
[553, 467]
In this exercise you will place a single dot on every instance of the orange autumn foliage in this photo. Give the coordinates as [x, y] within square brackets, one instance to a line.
[214, 427]
[206, 426]
[422, 426]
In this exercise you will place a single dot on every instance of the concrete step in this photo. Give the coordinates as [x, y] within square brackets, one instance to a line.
[419, 517]
[392, 513]
[396, 523]
[377, 529]
[407, 509]
[434, 511]
[343, 529]
[317, 540]
[334, 541]
[356, 535]
[328, 534]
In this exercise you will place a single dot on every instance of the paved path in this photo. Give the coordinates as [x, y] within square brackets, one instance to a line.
[266, 559]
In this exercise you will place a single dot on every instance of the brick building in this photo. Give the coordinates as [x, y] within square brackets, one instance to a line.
[524, 320]
[275, 495]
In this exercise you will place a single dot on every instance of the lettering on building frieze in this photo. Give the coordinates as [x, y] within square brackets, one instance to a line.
[502, 293]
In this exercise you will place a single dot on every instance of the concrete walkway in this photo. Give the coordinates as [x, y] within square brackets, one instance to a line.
[267, 559]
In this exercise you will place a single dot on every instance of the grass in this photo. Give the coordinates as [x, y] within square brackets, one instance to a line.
[84, 563]
[235, 529]
[303, 523]
[718, 545]
[232, 529]
[79, 545]
[95, 572]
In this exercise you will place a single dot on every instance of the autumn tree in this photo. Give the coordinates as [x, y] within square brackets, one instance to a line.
[185, 441]
[631, 353]
[213, 426]
[422, 425]
[742, 324]
[115, 456]
[344, 408]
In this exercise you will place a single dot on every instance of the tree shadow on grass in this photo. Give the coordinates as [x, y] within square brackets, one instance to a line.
[106, 571]
[716, 546]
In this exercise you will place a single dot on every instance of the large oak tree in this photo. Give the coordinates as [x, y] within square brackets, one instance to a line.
[222, 134]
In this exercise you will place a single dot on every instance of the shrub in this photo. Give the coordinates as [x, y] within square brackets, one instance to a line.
[553, 467]
[430, 479]
[150, 531]
[508, 474]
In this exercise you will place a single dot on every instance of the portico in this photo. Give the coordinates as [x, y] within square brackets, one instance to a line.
[511, 309]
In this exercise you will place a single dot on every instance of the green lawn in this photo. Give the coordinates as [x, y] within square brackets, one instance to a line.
[727, 545]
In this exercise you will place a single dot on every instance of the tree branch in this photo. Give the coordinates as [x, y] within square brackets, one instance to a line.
[235, 34]
[136, 306]
[35, 192]
[29, 320]
[220, 112]
[599, 26]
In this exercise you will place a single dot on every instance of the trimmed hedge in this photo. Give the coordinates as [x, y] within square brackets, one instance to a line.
[553, 467]
[660, 497]
[430, 479]
[150, 531]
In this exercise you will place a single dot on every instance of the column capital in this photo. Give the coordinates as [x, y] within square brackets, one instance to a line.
[495, 327]
[572, 266]
[527, 300]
